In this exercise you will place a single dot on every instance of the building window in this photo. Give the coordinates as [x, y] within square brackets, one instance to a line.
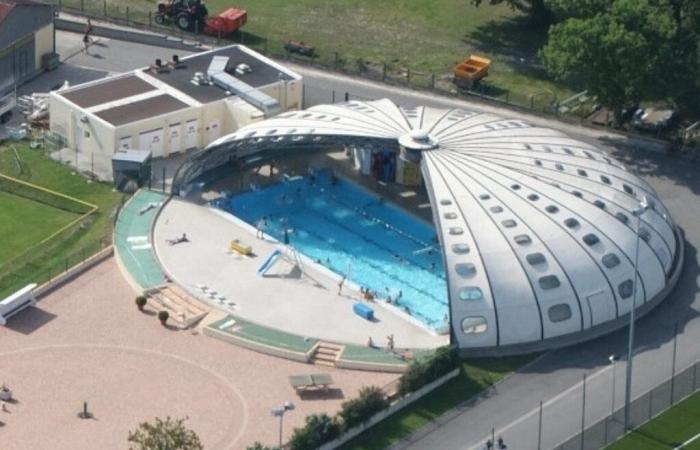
[622, 217]
[605, 179]
[465, 270]
[645, 234]
[628, 189]
[599, 204]
[538, 162]
[591, 239]
[522, 239]
[559, 313]
[455, 231]
[559, 166]
[533, 197]
[549, 282]
[470, 293]
[449, 215]
[582, 172]
[474, 325]
[496, 209]
[625, 289]
[552, 209]
[445, 202]
[509, 223]
[535, 259]
[567, 151]
[577, 194]
[611, 260]
[571, 223]
[515, 187]
[484, 196]
[460, 249]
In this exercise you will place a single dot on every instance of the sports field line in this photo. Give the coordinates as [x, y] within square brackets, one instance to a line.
[697, 436]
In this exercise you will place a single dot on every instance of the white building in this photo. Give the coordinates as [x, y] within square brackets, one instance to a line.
[543, 239]
[172, 106]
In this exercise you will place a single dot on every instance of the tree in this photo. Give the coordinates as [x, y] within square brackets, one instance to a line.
[536, 10]
[620, 56]
[566, 9]
[358, 410]
[258, 446]
[319, 429]
[170, 434]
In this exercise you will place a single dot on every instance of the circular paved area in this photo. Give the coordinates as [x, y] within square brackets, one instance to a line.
[122, 385]
[87, 342]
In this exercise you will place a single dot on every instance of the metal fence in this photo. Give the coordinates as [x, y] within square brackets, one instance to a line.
[642, 409]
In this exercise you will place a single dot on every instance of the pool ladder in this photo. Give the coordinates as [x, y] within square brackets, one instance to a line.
[326, 354]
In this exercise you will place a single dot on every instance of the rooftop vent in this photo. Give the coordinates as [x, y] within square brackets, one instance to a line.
[218, 76]
[242, 69]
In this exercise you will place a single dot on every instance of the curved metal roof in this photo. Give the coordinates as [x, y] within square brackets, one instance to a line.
[537, 229]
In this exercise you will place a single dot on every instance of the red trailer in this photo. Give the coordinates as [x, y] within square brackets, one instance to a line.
[226, 22]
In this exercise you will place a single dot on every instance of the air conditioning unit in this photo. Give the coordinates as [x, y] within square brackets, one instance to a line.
[50, 61]
[243, 69]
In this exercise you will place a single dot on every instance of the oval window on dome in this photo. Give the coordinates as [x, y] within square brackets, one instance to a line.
[484, 196]
[509, 223]
[465, 270]
[449, 215]
[515, 187]
[460, 249]
[611, 260]
[549, 282]
[559, 313]
[456, 231]
[445, 201]
[496, 209]
[474, 325]
[625, 289]
[470, 293]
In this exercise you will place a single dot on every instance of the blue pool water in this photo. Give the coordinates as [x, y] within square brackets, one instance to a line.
[354, 233]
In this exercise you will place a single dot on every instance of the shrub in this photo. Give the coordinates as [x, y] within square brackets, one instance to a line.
[258, 446]
[169, 433]
[358, 410]
[141, 302]
[319, 429]
[421, 372]
[163, 316]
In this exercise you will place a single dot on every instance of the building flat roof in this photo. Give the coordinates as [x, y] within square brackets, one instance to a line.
[109, 91]
[143, 109]
[262, 73]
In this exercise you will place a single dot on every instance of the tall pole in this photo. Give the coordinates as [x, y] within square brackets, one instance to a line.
[630, 347]
[612, 406]
[583, 412]
[281, 419]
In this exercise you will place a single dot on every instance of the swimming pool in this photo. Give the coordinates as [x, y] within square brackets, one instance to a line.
[354, 233]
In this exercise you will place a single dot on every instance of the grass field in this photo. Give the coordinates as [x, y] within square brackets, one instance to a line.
[667, 431]
[476, 376]
[425, 36]
[27, 222]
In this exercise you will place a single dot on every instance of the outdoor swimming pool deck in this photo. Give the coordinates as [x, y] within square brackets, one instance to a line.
[306, 305]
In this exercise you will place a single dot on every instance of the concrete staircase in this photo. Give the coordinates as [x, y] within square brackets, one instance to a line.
[326, 354]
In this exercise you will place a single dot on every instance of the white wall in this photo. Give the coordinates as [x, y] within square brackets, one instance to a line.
[43, 44]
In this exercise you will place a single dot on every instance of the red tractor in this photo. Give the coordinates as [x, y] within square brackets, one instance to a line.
[185, 13]
[193, 15]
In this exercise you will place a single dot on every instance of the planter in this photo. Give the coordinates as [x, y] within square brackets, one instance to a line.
[5, 395]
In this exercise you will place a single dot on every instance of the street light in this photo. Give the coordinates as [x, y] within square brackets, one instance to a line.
[612, 360]
[643, 206]
[278, 411]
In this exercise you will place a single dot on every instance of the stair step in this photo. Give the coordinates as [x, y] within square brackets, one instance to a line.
[324, 363]
[323, 351]
[330, 346]
[325, 357]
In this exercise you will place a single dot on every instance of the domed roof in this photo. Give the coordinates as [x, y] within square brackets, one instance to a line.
[538, 230]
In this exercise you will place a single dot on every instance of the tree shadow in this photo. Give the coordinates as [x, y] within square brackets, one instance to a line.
[516, 40]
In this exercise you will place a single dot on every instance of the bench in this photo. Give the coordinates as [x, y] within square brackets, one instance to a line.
[17, 302]
[240, 247]
[304, 382]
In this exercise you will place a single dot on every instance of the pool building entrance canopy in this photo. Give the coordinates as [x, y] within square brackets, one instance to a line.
[538, 230]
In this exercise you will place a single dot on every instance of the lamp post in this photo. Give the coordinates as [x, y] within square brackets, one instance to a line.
[643, 206]
[612, 360]
[278, 411]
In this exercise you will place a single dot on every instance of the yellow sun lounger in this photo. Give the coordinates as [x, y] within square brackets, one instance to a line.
[239, 247]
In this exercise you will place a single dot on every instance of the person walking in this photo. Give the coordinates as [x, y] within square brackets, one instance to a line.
[86, 36]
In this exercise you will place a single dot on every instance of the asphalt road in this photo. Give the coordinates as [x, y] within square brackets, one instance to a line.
[555, 378]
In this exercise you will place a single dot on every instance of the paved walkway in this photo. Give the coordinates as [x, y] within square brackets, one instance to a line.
[88, 342]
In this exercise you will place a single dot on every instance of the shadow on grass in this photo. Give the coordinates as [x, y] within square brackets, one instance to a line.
[514, 39]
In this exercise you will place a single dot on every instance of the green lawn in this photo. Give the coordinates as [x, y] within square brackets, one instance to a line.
[425, 36]
[476, 376]
[667, 431]
[29, 222]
